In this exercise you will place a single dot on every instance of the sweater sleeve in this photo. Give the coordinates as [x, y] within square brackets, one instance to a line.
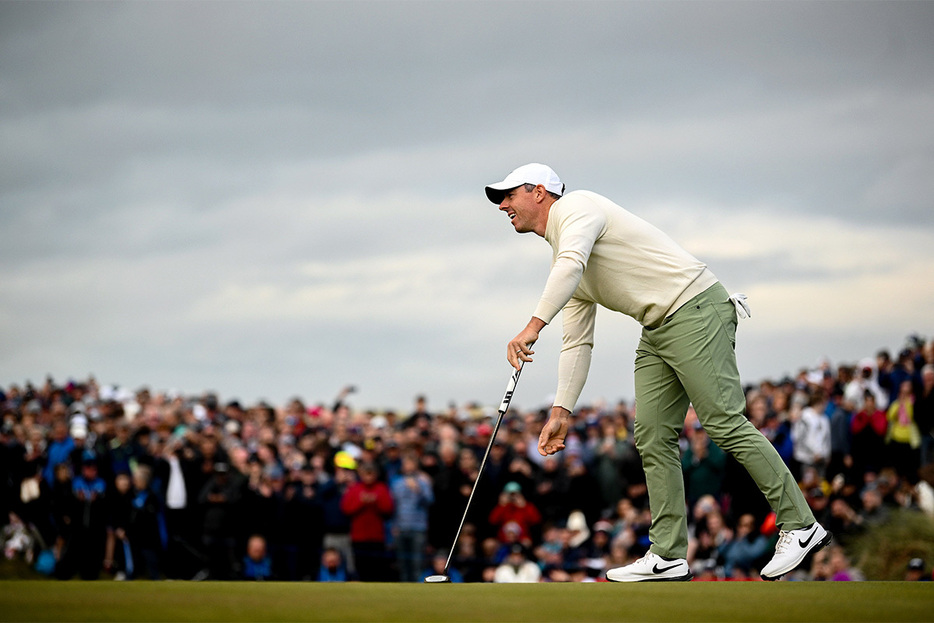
[577, 227]
[576, 349]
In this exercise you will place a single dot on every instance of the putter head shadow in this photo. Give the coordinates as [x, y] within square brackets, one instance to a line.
[437, 579]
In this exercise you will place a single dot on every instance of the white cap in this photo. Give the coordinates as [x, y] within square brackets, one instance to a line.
[533, 173]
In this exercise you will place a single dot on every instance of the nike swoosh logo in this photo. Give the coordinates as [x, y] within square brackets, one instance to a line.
[810, 537]
[655, 569]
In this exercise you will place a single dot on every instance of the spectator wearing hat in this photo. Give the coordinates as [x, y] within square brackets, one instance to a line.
[331, 490]
[368, 503]
[517, 568]
[915, 571]
[513, 508]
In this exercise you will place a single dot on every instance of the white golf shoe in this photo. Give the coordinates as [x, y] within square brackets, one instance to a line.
[792, 548]
[652, 568]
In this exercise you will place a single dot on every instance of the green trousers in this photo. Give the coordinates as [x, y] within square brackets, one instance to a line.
[690, 360]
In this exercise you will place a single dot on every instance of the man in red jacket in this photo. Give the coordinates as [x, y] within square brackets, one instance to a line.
[514, 509]
[369, 504]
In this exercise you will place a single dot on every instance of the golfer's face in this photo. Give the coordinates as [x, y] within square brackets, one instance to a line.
[519, 206]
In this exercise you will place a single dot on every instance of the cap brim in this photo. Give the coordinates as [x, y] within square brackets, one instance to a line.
[497, 192]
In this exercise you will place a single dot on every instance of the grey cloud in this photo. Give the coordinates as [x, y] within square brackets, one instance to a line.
[159, 155]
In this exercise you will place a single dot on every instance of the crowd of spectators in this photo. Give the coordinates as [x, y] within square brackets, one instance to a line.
[101, 482]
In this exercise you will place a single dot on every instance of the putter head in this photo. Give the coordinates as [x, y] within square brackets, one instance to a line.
[437, 579]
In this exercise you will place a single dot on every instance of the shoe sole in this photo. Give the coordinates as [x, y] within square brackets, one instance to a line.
[824, 542]
[683, 578]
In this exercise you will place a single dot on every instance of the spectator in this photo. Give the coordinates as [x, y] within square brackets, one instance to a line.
[413, 495]
[146, 530]
[450, 502]
[331, 491]
[118, 558]
[59, 450]
[810, 432]
[517, 568]
[285, 458]
[874, 511]
[302, 527]
[777, 426]
[745, 551]
[257, 565]
[220, 499]
[703, 466]
[583, 492]
[369, 504]
[855, 390]
[467, 557]
[836, 565]
[332, 567]
[551, 488]
[915, 571]
[89, 519]
[841, 458]
[924, 413]
[178, 470]
[903, 439]
[868, 428]
[514, 510]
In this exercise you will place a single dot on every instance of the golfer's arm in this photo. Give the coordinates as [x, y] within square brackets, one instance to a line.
[563, 280]
[577, 346]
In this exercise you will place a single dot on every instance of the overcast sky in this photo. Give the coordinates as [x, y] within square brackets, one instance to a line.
[271, 199]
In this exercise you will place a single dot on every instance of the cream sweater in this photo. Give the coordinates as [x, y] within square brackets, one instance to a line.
[604, 254]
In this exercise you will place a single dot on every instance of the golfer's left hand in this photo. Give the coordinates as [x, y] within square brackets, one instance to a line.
[519, 349]
[554, 432]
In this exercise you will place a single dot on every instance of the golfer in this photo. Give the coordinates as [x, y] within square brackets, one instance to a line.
[603, 254]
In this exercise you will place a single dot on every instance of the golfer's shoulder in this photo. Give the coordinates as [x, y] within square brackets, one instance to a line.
[581, 204]
[581, 199]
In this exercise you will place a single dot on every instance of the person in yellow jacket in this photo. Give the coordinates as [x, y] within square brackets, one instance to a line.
[903, 438]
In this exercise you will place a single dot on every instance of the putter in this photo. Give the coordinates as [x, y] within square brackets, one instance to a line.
[510, 388]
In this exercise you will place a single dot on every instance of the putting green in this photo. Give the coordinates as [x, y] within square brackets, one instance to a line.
[694, 601]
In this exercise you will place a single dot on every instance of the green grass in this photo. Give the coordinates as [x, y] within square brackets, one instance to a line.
[695, 601]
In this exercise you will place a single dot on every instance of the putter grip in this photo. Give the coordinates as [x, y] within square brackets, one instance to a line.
[510, 388]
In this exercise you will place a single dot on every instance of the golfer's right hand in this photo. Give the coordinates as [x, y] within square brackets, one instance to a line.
[554, 432]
